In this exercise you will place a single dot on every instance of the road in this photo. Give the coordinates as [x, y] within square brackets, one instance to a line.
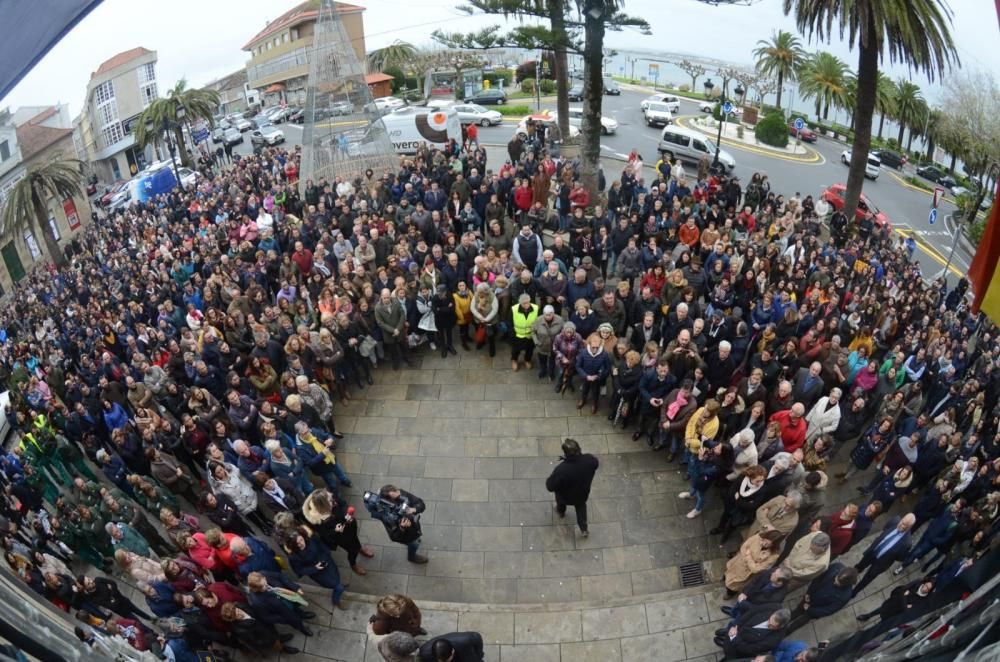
[906, 206]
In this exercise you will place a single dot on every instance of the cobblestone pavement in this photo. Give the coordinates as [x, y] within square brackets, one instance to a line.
[476, 441]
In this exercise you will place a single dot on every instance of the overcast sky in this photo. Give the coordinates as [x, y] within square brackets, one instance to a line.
[201, 40]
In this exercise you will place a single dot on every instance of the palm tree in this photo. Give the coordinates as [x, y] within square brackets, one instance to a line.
[934, 121]
[909, 101]
[198, 104]
[824, 77]
[27, 202]
[781, 56]
[914, 32]
[885, 99]
[398, 53]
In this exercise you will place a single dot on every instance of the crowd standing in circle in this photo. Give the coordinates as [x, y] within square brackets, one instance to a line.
[187, 364]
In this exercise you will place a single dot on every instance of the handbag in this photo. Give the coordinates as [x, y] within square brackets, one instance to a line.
[367, 346]
[427, 323]
[480, 335]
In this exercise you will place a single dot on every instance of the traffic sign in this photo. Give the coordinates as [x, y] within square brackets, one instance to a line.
[727, 107]
[932, 216]
[799, 124]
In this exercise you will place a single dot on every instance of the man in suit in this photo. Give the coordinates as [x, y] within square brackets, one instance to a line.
[767, 587]
[808, 385]
[453, 647]
[892, 545]
[757, 632]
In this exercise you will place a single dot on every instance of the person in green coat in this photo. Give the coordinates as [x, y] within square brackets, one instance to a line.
[73, 458]
[122, 511]
[40, 483]
[124, 536]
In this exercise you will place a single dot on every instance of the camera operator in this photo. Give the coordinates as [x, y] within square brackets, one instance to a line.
[400, 514]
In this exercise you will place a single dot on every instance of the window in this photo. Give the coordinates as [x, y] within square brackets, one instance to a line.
[112, 133]
[29, 240]
[147, 73]
[284, 38]
[148, 93]
[4, 151]
[54, 225]
[700, 146]
[105, 92]
[295, 34]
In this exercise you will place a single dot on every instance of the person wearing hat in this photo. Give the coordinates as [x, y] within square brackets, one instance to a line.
[570, 482]
[544, 331]
[523, 317]
[398, 647]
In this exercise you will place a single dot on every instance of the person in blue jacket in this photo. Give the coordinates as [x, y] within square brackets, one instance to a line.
[160, 598]
[826, 595]
[792, 650]
[593, 364]
[310, 557]
[253, 555]
[654, 385]
[938, 534]
[278, 601]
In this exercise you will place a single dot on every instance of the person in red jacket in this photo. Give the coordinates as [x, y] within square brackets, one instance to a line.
[842, 530]
[303, 257]
[523, 196]
[793, 427]
[579, 197]
[689, 233]
[211, 598]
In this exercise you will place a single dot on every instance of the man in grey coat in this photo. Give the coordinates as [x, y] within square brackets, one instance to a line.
[390, 315]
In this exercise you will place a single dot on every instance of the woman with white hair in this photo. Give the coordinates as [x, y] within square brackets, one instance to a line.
[746, 453]
[824, 417]
[486, 313]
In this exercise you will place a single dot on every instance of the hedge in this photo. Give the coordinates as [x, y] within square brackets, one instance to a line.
[773, 131]
[513, 111]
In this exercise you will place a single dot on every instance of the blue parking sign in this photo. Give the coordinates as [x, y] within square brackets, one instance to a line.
[932, 216]
[727, 107]
[799, 124]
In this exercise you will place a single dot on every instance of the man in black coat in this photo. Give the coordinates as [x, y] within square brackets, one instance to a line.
[767, 588]
[453, 647]
[827, 594]
[757, 632]
[570, 481]
[892, 545]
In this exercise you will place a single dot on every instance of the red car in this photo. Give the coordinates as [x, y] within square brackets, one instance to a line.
[806, 134]
[834, 195]
[111, 191]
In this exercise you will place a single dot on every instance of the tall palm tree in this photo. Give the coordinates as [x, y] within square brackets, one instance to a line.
[781, 56]
[934, 122]
[885, 100]
[398, 53]
[824, 78]
[198, 104]
[27, 202]
[914, 32]
[908, 105]
[920, 124]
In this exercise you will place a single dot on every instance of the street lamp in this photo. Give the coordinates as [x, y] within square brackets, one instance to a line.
[740, 92]
[708, 87]
[167, 127]
[717, 167]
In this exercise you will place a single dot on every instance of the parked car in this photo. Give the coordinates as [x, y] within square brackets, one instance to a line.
[111, 191]
[490, 97]
[218, 133]
[805, 134]
[872, 169]
[260, 121]
[611, 88]
[471, 113]
[544, 118]
[575, 93]
[189, 177]
[690, 145]
[297, 116]
[709, 107]
[232, 136]
[672, 102]
[346, 108]
[280, 115]
[657, 113]
[609, 125]
[835, 194]
[389, 103]
[936, 175]
[890, 158]
[958, 190]
[243, 124]
[267, 135]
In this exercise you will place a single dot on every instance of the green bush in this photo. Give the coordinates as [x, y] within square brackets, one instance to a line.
[919, 183]
[975, 231]
[506, 75]
[772, 130]
[548, 86]
[528, 85]
[398, 77]
[513, 111]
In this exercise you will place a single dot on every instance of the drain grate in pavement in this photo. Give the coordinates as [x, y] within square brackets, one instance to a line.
[692, 574]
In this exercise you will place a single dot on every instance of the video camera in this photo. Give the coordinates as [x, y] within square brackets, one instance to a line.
[389, 512]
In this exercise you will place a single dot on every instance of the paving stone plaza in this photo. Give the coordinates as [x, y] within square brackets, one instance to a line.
[476, 442]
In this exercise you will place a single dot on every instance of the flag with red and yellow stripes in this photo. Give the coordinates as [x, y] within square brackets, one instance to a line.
[983, 273]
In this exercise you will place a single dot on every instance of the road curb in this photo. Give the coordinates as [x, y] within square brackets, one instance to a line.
[812, 157]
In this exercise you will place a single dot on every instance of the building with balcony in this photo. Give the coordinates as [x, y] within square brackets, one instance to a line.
[118, 91]
[35, 135]
[279, 54]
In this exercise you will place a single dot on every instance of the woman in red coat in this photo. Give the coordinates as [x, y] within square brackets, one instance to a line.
[842, 529]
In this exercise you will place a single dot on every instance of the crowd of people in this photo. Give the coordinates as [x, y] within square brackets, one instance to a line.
[173, 386]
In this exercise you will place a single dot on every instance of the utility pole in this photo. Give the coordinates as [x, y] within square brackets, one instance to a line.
[538, 81]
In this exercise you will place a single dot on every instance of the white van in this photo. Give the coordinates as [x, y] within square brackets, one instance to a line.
[409, 127]
[691, 145]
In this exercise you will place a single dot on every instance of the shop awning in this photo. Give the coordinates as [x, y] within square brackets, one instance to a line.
[273, 89]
